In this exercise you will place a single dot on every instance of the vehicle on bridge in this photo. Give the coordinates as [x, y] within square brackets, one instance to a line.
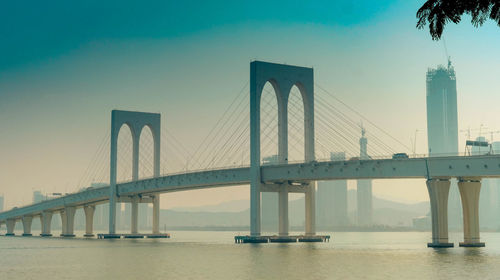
[400, 156]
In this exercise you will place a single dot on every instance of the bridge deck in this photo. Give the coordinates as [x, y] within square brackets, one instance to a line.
[434, 167]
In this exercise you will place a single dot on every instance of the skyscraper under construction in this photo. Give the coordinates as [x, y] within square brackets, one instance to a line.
[442, 126]
[442, 123]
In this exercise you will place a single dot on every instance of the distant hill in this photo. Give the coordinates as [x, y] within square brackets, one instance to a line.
[229, 206]
[236, 213]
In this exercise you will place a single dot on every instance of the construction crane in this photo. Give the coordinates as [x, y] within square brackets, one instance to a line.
[492, 133]
[468, 131]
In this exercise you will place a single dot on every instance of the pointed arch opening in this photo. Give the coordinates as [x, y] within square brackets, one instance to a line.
[146, 153]
[296, 134]
[269, 124]
[124, 153]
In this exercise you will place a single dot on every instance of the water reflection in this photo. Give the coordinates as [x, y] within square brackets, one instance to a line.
[213, 255]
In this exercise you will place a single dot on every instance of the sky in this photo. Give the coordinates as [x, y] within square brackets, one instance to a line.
[65, 65]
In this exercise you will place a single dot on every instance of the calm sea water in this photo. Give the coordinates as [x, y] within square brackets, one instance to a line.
[213, 255]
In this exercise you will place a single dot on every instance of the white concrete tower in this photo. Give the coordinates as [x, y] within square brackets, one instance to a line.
[136, 121]
[282, 78]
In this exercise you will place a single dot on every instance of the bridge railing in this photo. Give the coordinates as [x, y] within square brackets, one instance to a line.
[392, 156]
[189, 171]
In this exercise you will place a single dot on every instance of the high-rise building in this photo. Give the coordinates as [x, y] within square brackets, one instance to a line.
[364, 188]
[38, 197]
[1, 203]
[442, 121]
[269, 208]
[331, 201]
[442, 127]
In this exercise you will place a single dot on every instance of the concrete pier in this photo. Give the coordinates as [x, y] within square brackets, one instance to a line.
[11, 224]
[89, 220]
[68, 221]
[27, 221]
[469, 192]
[46, 221]
[156, 214]
[283, 210]
[438, 193]
[310, 201]
[134, 215]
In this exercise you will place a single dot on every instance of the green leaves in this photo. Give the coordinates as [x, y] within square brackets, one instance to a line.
[437, 13]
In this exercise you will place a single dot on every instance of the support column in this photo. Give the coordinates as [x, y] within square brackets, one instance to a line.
[283, 159]
[89, 220]
[115, 129]
[438, 193]
[255, 182]
[469, 193]
[310, 196]
[27, 221]
[68, 221]
[310, 204]
[156, 198]
[46, 221]
[134, 215]
[283, 210]
[62, 213]
[11, 224]
[156, 214]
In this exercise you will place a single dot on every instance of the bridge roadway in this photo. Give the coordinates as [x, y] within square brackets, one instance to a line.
[274, 175]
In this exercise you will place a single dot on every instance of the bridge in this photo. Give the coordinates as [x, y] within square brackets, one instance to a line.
[284, 177]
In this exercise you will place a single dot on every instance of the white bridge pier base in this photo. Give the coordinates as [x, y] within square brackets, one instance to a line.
[27, 222]
[68, 221]
[11, 224]
[156, 214]
[438, 193]
[310, 204]
[283, 210]
[469, 192]
[89, 220]
[46, 221]
[134, 223]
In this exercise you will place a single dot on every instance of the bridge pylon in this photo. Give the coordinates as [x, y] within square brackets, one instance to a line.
[136, 121]
[282, 78]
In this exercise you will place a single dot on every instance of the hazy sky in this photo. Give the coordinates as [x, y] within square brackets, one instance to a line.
[64, 66]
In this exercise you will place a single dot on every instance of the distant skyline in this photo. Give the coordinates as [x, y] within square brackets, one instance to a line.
[65, 66]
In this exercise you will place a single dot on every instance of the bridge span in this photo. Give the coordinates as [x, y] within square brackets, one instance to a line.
[294, 177]
[284, 177]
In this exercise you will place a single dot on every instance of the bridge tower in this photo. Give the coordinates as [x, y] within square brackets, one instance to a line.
[136, 121]
[282, 78]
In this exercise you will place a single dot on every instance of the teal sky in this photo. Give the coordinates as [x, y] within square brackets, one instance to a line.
[64, 67]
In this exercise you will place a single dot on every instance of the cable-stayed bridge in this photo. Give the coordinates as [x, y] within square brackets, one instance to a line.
[286, 120]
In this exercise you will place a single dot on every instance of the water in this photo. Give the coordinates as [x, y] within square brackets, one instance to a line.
[213, 255]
